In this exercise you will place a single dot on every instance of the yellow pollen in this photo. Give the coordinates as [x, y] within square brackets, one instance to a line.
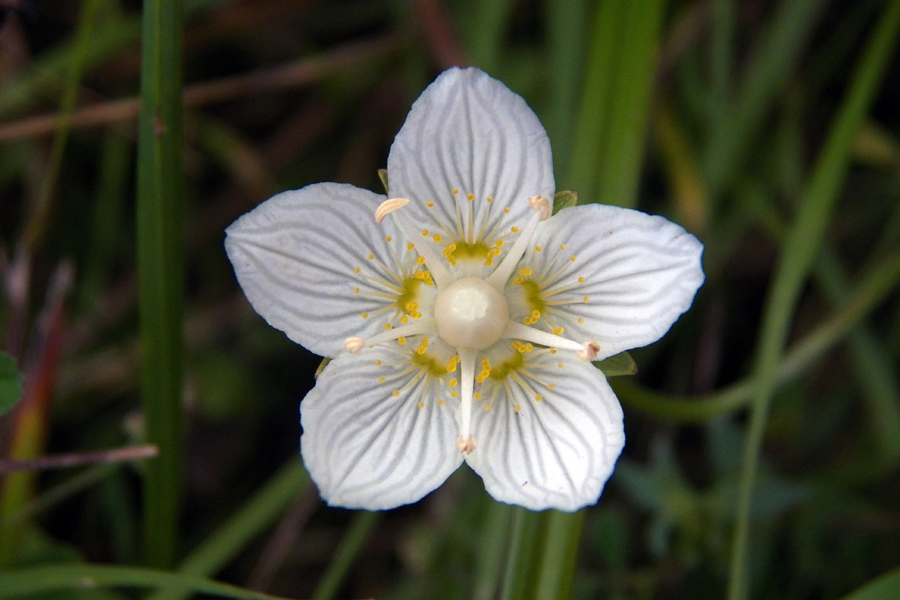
[423, 346]
[487, 407]
[356, 270]
[401, 340]
[514, 229]
[580, 320]
[453, 382]
[395, 393]
[538, 249]
[420, 260]
[553, 350]
[550, 386]
[430, 204]
[535, 314]
[490, 198]
[581, 280]
[388, 326]
[506, 210]
[454, 394]
[371, 256]
[381, 380]
[404, 319]
[560, 365]
[388, 238]
[558, 331]
[410, 246]
[517, 408]
[355, 290]
[585, 298]
[411, 306]
[572, 258]
[421, 404]
[499, 243]
[437, 237]
[365, 315]
[424, 233]
[477, 396]
[526, 272]
[377, 363]
[562, 246]
[454, 191]
[441, 402]
[470, 197]
[538, 397]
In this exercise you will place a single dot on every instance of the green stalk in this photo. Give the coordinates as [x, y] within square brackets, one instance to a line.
[345, 555]
[229, 539]
[160, 270]
[801, 245]
[43, 580]
[557, 569]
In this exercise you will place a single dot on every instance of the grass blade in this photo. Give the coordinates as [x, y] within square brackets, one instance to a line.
[160, 258]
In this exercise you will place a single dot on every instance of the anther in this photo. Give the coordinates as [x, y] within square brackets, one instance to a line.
[590, 352]
[466, 444]
[354, 345]
[389, 206]
[540, 205]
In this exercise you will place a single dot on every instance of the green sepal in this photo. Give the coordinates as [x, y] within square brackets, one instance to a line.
[564, 199]
[10, 383]
[620, 364]
[321, 367]
[382, 175]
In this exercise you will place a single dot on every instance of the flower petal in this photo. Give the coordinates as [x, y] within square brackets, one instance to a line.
[315, 264]
[470, 148]
[617, 276]
[549, 434]
[366, 447]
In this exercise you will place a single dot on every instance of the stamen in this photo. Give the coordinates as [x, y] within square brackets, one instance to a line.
[389, 206]
[439, 273]
[540, 205]
[523, 332]
[590, 352]
[499, 277]
[354, 345]
[466, 441]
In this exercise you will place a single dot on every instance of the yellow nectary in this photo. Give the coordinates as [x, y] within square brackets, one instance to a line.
[470, 313]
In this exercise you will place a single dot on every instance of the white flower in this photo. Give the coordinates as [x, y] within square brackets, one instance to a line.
[460, 317]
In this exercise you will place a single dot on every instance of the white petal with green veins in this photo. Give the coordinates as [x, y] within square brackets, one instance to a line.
[315, 264]
[380, 428]
[610, 274]
[548, 430]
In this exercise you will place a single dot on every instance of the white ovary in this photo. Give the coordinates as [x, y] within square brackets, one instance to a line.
[470, 313]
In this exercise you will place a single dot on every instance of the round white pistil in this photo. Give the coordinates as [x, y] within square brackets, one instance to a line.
[470, 313]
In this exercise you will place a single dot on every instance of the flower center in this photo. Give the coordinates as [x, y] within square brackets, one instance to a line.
[470, 313]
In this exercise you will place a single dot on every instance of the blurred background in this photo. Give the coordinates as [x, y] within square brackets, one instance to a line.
[768, 128]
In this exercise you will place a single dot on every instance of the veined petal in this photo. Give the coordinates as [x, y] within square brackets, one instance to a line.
[469, 156]
[379, 429]
[617, 276]
[548, 431]
[315, 264]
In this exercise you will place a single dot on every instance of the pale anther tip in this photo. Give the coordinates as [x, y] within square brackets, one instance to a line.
[590, 352]
[540, 205]
[389, 206]
[466, 445]
[354, 345]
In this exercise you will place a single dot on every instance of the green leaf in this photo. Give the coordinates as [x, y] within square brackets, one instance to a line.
[84, 577]
[883, 588]
[564, 199]
[620, 364]
[10, 383]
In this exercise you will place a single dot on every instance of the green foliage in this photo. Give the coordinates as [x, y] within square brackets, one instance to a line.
[10, 383]
[763, 430]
